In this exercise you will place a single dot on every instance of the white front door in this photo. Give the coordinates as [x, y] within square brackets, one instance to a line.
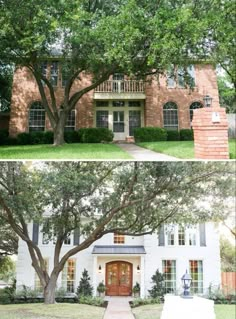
[119, 125]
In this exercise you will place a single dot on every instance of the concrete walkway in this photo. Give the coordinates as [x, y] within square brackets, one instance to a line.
[142, 154]
[118, 308]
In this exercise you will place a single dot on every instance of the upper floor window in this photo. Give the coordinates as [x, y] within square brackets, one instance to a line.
[181, 236]
[119, 239]
[181, 78]
[54, 73]
[194, 106]
[170, 116]
[118, 82]
[36, 117]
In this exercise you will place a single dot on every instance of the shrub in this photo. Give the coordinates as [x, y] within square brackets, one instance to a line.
[48, 137]
[136, 288]
[101, 288]
[71, 137]
[36, 138]
[158, 285]
[7, 294]
[173, 135]
[11, 141]
[93, 301]
[146, 301]
[24, 138]
[95, 135]
[3, 137]
[85, 288]
[186, 135]
[149, 134]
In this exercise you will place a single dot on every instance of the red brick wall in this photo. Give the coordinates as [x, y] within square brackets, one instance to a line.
[157, 94]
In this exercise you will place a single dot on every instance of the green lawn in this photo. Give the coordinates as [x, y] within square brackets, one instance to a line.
[67, 151]
[181, 149]
[58, 311]
[154, 312]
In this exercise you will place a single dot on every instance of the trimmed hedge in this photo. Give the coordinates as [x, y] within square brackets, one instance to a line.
[3, 137]
[150, 134]
[173, 135]
[95, 135]
[186, 135]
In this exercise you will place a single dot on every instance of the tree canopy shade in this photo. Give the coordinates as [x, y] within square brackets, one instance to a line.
[97, 198]
[8, 240]
[98, 37]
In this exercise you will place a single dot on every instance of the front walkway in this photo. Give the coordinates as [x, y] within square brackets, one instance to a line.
[142, 154]
[118, 308]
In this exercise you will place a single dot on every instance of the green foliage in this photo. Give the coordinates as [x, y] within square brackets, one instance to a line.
[24, 139]
[158, 288]
[173, 135]
[144, 301]
[220, 296]
[136, 288]
[7, 294]
[4, 137]
[150, 134]
[227, 254]
[93, 301]
[101, 288]
[60, 292]
[72, 137]
[84, 288]
[7, 266]
[227, 93]
[95, 135]
[186, 135]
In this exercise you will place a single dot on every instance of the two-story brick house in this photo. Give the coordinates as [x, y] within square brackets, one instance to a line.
[121, 261]
[120, 104]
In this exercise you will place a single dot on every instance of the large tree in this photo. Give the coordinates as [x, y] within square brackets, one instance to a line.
[100, 198]
[99, 37]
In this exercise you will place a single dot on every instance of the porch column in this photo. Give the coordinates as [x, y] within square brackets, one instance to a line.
[95, 275]
[142, 283]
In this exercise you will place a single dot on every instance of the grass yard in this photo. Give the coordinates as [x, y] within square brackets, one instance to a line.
[58, 311]
[181, 149]
[154, 312]
[67, 151]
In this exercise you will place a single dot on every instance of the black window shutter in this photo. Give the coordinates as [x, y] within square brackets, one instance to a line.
[161, 235]
[35, 237]
[202, 231]
[77, 236]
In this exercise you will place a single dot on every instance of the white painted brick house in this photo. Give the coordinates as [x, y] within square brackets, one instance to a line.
[121, 261]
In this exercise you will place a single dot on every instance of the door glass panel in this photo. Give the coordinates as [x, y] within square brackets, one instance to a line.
[134, 121]
[125, 274]
[118, 122]
[112, 274]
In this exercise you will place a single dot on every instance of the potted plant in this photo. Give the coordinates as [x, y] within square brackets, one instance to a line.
[101, 288]
[136, 290]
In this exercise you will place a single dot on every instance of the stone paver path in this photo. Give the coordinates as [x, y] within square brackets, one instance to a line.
[118, 308]
[142, 154]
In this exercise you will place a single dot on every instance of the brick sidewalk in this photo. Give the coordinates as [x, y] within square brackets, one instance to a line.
[118, 308]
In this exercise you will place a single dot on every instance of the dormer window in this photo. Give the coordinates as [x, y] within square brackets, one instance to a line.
[119, 239]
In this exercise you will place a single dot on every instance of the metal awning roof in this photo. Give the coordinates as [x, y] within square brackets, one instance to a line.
[121, 250]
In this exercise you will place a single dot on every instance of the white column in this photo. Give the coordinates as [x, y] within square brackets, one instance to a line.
[94, 275]
[142, 270]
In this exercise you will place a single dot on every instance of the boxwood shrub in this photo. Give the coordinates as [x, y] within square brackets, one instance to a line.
[186, 135]
[3, 137]
[173, 135]
[150, 134]
[24, 138]
[95, 135]
[72, 137]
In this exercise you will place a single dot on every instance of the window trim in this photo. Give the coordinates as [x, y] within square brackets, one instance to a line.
[43, 117]
[165, 109]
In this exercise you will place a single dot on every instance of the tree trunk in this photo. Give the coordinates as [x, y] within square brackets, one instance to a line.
[50, 291]
[60, 128]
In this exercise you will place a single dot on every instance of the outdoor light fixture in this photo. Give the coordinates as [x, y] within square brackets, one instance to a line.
[207, 100]
[100, 269]
[138, 269]
[186, 280]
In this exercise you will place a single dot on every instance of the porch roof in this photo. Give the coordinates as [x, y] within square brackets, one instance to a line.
[121, 250]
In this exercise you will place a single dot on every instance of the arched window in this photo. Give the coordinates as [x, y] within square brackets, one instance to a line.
[170, 116]
[36, 117]
[194, 106]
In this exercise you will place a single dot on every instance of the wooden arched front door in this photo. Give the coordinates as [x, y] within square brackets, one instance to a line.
[119, 278]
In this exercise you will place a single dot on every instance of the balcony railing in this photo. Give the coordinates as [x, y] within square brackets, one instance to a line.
[118, 86]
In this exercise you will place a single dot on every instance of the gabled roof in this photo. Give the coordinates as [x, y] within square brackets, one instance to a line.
[116, 249]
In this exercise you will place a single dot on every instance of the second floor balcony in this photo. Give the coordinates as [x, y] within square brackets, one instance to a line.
[124, 89]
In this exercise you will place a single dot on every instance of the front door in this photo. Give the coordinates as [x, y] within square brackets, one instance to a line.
[119, 278]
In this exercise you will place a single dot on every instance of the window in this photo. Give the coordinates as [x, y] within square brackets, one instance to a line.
[194, 106]
[67, 241]
[169, 272]
[170, 116]
[102, 119]
[192, 235]
[118, 82]
[64, 75]
[44, 66]
[134, 121]
[181, 236]
[134, 103]
[178, 77]
[37, 283]
[118, 122]
[119, 239]
[171, 237]
[196, 271]
[54, 73]
[68, 276]
[118, 103]
[36, 117]
[70, 122]
[102, 103]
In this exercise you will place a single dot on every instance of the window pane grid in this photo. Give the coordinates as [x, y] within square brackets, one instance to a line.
[196, 271]
[68, 276]
[181, 236]
[169, 272]
[70, 122]
[37, 284]
[119, 239]
[54, 73]
[36, 117]
[170, 115]
[194, 106]
[102, 119]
